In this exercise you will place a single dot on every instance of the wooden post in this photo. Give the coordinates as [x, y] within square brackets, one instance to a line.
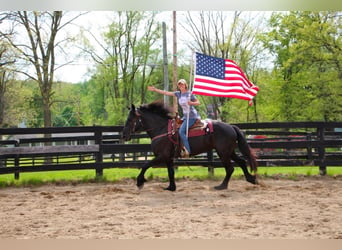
[99, 154]
[16, 163]
[309, 148]
[321, 152]
[175, 74]
[165, 65]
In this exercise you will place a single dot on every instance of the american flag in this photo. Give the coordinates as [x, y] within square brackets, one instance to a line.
[221, 77]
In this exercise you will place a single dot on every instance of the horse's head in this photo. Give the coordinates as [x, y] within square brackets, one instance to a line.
[133, 124]
[146, 118]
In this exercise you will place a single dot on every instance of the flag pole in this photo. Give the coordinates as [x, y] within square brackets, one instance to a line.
[191, 78]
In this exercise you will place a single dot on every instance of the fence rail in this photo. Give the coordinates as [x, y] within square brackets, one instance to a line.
[100, 147]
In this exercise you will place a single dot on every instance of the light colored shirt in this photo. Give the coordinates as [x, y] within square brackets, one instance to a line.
[183, 99]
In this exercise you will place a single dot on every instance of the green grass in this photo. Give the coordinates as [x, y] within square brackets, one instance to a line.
[114, 175]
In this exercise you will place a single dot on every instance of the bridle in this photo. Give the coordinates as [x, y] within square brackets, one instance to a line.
[171, 130]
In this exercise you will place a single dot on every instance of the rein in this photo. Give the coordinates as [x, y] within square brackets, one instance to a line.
[171, 131]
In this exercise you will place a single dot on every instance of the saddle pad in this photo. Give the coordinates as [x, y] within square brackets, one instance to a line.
[204, 130]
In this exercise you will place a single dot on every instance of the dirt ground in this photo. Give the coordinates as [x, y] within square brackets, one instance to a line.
[309, 208]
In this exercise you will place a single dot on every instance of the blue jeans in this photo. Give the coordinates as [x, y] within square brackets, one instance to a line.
[182, 132]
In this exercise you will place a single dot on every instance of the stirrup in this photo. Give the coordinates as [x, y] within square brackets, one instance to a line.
[185, 153]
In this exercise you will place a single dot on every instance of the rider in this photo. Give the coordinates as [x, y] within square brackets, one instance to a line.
[187, 101]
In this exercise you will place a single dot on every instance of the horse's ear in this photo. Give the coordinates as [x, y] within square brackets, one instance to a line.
[137, 112]
[132, 107]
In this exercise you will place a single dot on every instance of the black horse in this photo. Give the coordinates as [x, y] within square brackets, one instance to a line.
[154, 119]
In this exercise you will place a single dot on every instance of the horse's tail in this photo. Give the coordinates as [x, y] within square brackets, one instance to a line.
[246, 150]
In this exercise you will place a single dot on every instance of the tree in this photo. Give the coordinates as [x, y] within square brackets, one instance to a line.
[127, 60]
[213, 35]
[307, 47]
[6, 75]
[67, 118]
[6, 61]
[38, 45]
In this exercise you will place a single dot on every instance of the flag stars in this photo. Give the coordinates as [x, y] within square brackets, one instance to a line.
[210, 66]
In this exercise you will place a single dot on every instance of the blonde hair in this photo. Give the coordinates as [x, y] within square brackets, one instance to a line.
[182, 81]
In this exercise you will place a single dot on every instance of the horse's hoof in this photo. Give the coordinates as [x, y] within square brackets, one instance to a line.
[141, 182]
[172, 189]
[220, 187]
[253, 180]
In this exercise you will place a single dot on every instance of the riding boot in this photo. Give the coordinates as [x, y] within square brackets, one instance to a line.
[185, 153]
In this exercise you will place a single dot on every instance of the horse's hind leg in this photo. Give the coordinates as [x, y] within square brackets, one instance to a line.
[229, 171]
[242, 163]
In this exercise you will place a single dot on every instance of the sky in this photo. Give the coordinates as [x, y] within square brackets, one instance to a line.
[171, 5]
[80, 69]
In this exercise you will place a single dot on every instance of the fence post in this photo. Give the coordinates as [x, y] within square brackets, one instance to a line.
[121, 155]
[16, 162]
[99, 154]
[309, 148]
[321, 152]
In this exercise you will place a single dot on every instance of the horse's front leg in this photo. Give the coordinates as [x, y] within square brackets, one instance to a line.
[141, 177]
[171, 172]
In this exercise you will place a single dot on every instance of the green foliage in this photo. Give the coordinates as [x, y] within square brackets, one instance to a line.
[116, 110]
[67, 118]
[303, 83]
[307, 47]
[22, 105]
[131, 61]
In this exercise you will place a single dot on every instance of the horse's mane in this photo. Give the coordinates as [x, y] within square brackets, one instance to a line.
[157, 107]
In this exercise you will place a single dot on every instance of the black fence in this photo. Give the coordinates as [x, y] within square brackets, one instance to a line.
[100, 147]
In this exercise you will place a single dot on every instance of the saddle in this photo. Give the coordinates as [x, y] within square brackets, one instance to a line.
[199, 128]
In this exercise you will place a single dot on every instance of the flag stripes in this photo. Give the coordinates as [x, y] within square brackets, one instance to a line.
[221, 77]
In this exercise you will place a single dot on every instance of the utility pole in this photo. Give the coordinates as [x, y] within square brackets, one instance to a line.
[175, 75]
[165, 65]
